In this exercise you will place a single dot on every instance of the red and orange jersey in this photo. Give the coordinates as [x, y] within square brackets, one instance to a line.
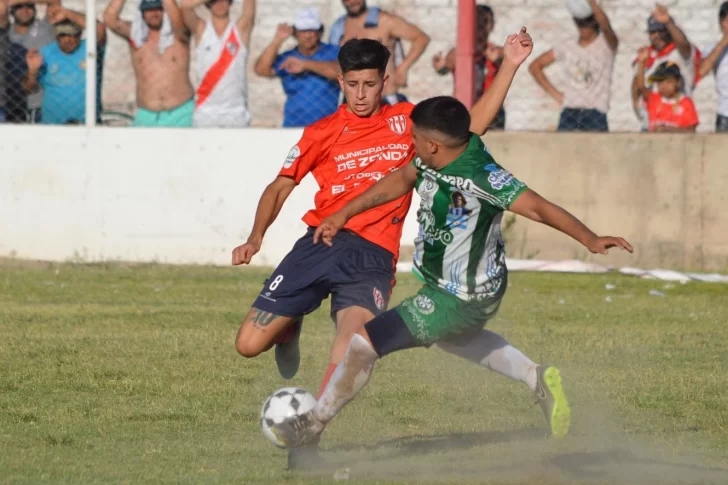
[348, 154]
[678, 113]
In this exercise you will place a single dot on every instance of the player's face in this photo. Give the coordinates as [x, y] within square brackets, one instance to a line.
[24, 14]
[219, 8]
[425, 148]
[363, 90]
[668, 87]
[355, 7]
[154, 18]
[69, 43]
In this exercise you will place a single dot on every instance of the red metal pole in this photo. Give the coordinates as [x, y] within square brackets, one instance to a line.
[465, 53]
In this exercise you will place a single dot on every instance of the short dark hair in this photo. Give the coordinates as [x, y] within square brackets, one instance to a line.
[361, 54]
[589, 21]
[485, 9]
[723, 12]
[445, 115]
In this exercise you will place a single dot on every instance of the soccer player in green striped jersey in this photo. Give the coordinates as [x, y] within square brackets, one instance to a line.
[460, 255]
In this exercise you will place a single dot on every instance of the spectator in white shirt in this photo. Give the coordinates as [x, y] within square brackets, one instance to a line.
[587, 61]
[716, 60]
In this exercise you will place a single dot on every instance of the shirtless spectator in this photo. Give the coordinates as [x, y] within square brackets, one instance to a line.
[160, 53]
[362, 22]
[488, 58]
[222, 47]
[31, 32]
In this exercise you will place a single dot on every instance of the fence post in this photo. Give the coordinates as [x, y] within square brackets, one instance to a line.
[465, 53]
[91, 63]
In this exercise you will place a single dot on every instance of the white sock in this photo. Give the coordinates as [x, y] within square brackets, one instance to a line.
[491, 350]
[350, 377]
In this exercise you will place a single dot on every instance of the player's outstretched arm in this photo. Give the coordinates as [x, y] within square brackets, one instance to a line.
[534, 207]
[391, 187]
[269, 205]
[515, 51]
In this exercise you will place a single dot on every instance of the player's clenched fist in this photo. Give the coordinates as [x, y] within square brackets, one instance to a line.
[328, 228]
[243, 254]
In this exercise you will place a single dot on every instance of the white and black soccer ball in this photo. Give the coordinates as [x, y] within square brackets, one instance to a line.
[284, 403]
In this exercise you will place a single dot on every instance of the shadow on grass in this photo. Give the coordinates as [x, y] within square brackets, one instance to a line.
[531, 455]
[423, 444]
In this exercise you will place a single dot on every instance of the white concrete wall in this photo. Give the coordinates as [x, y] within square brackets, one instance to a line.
[528, 108]
[143, 195]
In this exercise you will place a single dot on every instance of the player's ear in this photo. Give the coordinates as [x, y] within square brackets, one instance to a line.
[385, 80]
[340, 77]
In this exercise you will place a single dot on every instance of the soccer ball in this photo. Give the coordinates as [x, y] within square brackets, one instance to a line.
[284, 403]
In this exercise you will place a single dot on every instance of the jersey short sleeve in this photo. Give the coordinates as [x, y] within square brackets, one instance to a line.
[498, 187]
[312, 148]
[279, 60]
[689, 115]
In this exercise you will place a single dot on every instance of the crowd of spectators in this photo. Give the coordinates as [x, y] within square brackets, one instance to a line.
[43, 63]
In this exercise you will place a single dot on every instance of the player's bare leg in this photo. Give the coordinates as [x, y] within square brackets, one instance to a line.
[349, 322]
[492, 351]
[261, 330]
[350, 377]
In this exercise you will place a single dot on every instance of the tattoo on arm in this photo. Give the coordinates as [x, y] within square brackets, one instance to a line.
[261, 318]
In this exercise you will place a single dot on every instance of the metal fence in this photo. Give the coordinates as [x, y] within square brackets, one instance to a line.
[165, 64]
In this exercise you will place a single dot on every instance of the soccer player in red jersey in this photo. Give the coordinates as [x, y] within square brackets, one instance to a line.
[347, 152]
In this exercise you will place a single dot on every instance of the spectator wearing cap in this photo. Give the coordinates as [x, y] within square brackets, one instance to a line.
[308, 72]
[716, 60]
[667, 43]
[160, 53]
[668, 108]
[488, 58]
[60, 69]
[222, 62]
[588, 62]
[31, 32]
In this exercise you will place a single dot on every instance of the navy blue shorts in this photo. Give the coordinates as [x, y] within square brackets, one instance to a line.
[355, 272]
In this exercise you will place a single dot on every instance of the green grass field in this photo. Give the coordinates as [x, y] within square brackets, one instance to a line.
[128, 374]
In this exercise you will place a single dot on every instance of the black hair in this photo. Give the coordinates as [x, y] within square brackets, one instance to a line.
[445, 115]
[723, 12]
[361, 54]
[485, 9]
[589, 21]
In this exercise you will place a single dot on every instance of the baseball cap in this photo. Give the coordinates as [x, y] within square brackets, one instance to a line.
[579, 9]
[67, 27]
[307, 18]
[666, 70]
[150, 5]
[655, 26]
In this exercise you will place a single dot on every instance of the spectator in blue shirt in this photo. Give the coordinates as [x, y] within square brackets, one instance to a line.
[308, 73]
[60, 69]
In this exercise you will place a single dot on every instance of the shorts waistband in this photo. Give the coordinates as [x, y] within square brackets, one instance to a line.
[353, 239]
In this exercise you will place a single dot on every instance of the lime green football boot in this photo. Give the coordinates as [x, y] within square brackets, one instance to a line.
[552, 399]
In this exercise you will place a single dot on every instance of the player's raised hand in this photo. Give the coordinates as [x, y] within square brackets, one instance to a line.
[244, 253]
[328, 228]
[602, 245]
[517, 47]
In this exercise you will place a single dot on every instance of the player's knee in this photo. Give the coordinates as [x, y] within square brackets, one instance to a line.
[249, 347]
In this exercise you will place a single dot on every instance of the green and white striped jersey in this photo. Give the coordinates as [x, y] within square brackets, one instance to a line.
[459, 247]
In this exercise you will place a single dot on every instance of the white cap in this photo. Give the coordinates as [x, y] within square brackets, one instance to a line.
[307, 18]
[579, 9]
